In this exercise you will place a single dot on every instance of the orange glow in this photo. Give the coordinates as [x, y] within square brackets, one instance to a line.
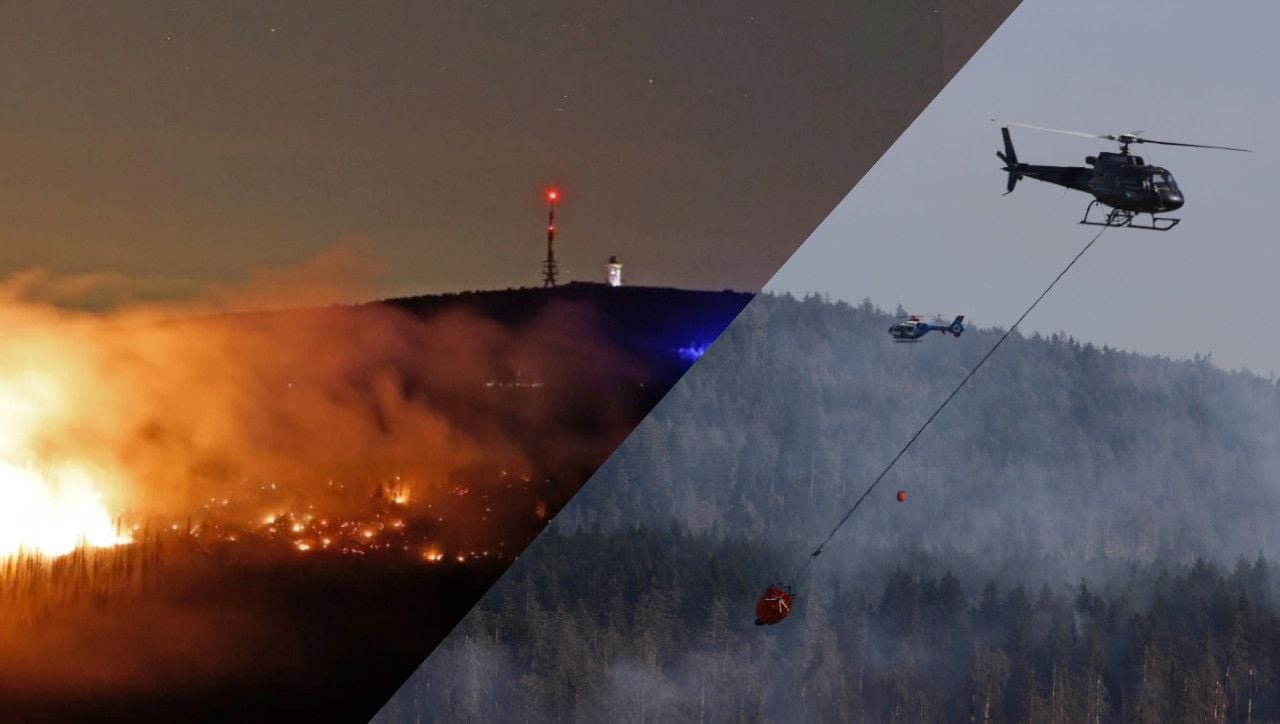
[118, 429]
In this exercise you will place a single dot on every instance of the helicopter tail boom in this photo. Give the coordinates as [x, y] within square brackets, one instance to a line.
[1010, 158]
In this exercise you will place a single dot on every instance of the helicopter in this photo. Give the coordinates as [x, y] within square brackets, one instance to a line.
[1125, 183]
[913, 329]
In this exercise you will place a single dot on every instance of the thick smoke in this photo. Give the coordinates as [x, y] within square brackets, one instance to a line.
[175, 408]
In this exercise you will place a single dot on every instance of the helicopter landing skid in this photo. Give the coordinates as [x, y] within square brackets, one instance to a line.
[1125, 218]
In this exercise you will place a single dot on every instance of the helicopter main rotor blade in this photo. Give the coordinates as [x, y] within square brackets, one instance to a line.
[1055, 130]
[1190, 145]
[1123, 138]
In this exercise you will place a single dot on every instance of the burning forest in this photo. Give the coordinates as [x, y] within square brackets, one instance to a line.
[203, 508]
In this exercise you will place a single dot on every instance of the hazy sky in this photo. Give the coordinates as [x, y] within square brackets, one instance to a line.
[701, 142]
[927, 226]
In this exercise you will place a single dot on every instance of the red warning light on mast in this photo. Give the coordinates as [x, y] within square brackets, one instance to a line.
[549, 268]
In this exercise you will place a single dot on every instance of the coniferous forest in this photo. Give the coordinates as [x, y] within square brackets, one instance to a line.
[669, 639]
[1088, 536]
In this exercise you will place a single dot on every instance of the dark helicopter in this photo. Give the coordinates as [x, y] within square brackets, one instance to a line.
[1121, 181]
[913, 329]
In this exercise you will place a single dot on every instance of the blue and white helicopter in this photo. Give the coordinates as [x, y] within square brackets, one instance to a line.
[913, 329]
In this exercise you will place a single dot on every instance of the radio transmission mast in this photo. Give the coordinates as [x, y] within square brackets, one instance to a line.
[549, 269]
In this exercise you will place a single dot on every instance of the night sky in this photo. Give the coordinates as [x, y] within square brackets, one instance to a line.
[153, 149]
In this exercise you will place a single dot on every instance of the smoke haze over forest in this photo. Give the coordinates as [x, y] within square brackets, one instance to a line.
[1061, 461]
[1057, 448]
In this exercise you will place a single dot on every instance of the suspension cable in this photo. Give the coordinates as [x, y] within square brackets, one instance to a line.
[945, 402]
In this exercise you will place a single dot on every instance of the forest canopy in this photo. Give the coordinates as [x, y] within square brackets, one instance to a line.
[1088, 537]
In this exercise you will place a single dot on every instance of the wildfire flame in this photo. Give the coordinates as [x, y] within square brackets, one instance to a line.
[51, 512]
[45, 510]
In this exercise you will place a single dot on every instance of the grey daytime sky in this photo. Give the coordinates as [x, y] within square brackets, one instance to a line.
[927, 227]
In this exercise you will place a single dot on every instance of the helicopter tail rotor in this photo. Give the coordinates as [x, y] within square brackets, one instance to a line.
[1010, 159]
